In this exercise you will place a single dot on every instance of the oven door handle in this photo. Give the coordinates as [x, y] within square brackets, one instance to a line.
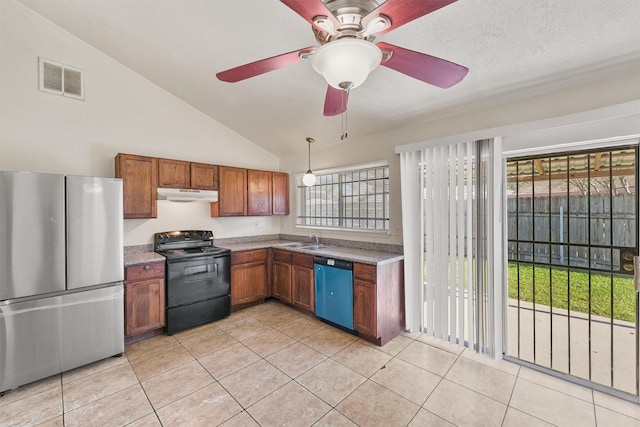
[198, 277]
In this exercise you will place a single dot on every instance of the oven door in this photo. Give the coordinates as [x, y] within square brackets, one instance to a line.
[190, 280]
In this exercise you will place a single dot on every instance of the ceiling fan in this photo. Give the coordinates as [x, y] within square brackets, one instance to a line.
[345, 30]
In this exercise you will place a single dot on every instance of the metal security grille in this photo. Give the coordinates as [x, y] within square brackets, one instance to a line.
[350, 199]
[572, 234]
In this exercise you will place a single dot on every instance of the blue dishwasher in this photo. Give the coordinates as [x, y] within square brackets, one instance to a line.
[334, 290]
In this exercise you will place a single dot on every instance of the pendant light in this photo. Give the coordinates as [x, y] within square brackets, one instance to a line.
[309, 179]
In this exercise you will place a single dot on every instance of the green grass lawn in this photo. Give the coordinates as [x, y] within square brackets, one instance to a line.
[624, 295]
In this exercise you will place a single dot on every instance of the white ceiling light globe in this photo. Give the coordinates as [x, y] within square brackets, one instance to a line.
[346, 60]
[309, 179]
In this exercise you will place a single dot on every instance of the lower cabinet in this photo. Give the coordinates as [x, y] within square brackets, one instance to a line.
[378, 290]
[302, 282]
[364, 307]
[281, 275]
[248, 276]
[144, 297]
[292, 279]
[378, 301]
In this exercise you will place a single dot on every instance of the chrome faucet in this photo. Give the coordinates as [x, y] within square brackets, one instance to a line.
[314, 239]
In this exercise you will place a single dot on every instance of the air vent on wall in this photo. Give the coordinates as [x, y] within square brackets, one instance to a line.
[60, 79]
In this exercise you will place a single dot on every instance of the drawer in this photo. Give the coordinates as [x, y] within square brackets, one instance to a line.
[364, 272]
[248, 256]
[302, 260]
[149, 270]
[282, 256]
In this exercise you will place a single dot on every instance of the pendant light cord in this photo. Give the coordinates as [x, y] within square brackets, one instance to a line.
[309, 141]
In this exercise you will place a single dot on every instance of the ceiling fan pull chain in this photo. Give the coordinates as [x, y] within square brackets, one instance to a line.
[346, 86]
[345, 131]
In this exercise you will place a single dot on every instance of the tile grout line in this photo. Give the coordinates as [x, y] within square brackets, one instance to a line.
[294, 380]
[510, 397]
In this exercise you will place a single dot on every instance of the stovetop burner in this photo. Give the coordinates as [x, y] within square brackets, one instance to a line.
[188, 243]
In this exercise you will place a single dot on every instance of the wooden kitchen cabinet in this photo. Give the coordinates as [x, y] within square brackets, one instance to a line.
[281, 279]
[378, 301]
[173, 174]
[140, 185]
[232, 192]
[364, 307]
[259, 194]
[292, 279]
[181, 174]
[144, 297]
[280, 184]
[248, 276]
[302, 282]
[204, 176]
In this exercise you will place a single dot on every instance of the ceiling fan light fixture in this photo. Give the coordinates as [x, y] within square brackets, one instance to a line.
[346, 60]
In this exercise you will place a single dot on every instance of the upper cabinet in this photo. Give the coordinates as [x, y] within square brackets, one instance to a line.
[280, 184]
[173, 174]
[232, 192]
[204, 176]
[140, 184]
[241, 192]
[181, 174]
[258, 192]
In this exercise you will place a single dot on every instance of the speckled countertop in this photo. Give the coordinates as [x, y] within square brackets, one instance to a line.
[141, 258]
[364, 252]
[364, 256]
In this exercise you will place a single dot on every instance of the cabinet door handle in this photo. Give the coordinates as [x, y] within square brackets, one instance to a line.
[147, 268]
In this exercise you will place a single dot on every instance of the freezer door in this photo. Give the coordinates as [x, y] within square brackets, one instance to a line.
[94, 231]
[46, 336]
[31, 234]
[92, 325]
[30, 346]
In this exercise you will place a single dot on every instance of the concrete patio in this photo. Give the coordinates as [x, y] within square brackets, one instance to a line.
[575, 324]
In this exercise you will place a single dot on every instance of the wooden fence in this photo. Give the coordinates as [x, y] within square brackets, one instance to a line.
[558, 227]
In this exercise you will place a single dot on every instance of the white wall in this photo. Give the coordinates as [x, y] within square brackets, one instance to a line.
[621, 88]
[122, 112]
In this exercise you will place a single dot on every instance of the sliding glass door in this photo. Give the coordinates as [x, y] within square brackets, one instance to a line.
[572, 228]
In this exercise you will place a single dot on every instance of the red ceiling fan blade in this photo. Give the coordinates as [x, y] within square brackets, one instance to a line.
[403, 11]
[262, 66]
[309, 9]
[335, 102]
[426, 68]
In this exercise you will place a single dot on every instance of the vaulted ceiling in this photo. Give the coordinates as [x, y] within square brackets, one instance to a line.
[512, 49]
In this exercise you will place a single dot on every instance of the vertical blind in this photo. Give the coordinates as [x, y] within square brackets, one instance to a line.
[446, 193]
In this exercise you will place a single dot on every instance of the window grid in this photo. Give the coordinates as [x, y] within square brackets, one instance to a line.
[349, 199]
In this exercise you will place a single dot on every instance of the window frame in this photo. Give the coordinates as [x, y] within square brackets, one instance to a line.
[342, 171]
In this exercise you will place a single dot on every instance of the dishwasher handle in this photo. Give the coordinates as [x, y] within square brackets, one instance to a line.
[331, 262]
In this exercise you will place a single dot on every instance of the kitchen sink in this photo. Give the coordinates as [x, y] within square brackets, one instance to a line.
[313, 247]
[309, 246]
[292, 245]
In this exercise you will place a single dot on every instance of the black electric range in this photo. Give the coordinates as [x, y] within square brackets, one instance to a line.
[198, 278]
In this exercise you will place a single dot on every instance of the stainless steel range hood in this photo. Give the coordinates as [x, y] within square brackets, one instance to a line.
[187, 195]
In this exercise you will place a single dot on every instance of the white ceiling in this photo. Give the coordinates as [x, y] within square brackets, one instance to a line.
[511, 48]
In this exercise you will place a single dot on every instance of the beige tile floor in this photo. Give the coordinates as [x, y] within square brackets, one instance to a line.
[272, 366]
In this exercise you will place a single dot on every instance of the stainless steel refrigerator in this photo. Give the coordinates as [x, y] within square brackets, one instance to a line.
[61, 274]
